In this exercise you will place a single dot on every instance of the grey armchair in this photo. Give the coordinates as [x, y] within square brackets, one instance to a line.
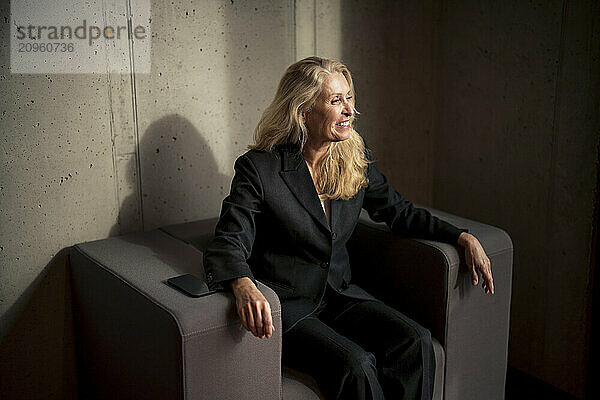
[139, 338]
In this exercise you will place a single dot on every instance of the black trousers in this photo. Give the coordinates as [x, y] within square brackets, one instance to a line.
[362, 349]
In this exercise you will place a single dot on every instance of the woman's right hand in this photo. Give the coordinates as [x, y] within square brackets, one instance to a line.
[252, 307]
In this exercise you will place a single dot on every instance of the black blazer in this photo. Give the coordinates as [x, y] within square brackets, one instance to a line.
[272, 228]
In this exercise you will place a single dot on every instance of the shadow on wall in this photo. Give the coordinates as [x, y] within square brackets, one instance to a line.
[37, 355]
[176, 165]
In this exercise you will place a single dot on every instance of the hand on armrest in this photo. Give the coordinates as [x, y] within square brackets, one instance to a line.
[477, 260]
[252, 307]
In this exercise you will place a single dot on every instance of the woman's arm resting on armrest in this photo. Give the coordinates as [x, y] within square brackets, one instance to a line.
[476, 259]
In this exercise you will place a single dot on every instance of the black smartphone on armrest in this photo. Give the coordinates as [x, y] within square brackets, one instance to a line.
[190, 285]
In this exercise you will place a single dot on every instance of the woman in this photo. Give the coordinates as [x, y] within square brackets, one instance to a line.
[294, 202]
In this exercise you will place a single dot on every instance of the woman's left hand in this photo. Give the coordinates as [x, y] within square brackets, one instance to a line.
[477, 260]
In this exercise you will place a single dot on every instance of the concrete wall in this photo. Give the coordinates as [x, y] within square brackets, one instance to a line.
[390, 47]
[516, 146]
[87, 156]
[490, 110]
[484, 109]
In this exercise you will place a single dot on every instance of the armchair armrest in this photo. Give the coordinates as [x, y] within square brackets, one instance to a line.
[139, 338]
[429, 282]
[196, 233]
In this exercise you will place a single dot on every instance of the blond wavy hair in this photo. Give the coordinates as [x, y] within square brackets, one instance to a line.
[342, 173]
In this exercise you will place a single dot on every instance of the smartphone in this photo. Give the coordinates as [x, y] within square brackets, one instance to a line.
[190, 285]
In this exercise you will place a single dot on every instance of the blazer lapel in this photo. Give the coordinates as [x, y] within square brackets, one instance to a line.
[335, 208]
[297, 177]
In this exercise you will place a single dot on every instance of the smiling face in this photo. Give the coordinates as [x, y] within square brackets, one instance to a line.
[330, 117]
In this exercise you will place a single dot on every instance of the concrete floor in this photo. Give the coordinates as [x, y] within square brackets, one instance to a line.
[522, 386]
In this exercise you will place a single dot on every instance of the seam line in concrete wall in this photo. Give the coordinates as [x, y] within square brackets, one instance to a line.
[556, 117]
[294, 52]
[438, 98]
[135, 120]
[315, 28]
[111, 121]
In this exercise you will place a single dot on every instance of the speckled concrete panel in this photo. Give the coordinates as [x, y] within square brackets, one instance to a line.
[388, 46]
[56, 182]
[496, 105]
[497, 99]
[572, 196]
[215, 68]
[516, 148]
[305, 28]
[328, 29]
